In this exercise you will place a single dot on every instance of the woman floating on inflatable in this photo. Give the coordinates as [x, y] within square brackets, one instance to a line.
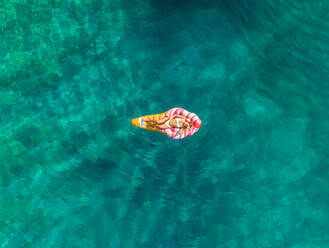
[177, 123]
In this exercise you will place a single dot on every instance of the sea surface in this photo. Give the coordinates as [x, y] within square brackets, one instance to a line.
[74, 173]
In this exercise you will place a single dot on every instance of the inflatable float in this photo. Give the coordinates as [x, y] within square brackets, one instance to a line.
[170, 132]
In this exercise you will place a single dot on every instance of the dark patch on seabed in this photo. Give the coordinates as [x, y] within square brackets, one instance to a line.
[75, 173]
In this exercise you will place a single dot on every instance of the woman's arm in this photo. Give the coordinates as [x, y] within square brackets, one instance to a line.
[182, 130]
[180, 116]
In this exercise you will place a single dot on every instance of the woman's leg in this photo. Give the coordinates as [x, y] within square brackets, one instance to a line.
[163, 120]
[160, 123]
[163, 126]
[152, 123]
[158, 126]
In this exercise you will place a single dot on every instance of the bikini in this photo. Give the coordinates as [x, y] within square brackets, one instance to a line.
[167, 123]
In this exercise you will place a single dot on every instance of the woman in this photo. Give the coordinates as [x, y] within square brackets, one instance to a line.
[176, 121]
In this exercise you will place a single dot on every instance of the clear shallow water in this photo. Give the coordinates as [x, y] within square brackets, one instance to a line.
[74, 173]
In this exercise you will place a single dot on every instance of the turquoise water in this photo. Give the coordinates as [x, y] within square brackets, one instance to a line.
[75, 173]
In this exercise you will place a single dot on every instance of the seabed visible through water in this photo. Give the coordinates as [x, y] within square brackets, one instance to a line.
[75, 174]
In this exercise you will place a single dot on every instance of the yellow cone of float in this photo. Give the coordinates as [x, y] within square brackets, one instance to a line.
[140, 121]
[170, 132]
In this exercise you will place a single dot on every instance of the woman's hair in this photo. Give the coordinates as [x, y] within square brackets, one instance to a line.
[189, 123]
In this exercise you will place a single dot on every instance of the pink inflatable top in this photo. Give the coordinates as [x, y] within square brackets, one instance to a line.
[174, 132]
